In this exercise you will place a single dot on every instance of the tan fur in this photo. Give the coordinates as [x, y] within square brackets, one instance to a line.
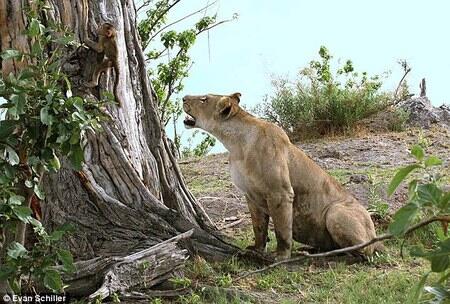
[106, 45]
[280, 181]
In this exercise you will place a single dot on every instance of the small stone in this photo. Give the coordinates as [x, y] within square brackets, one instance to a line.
[358, 178]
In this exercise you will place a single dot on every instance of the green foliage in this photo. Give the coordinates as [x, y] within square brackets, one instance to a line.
[205, 145]
[193, 298]
[399, 120]
[156, 301]
[167, 76]
[39, 261]
[377, 205]
[426, 198]
[323, 101]
[43, 123]
[224, 280]
[181, 282]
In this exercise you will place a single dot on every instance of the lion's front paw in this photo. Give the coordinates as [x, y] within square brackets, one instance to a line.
[281, 256]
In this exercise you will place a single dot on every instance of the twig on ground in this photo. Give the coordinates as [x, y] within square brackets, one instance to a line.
[306, 255]
[232, 224]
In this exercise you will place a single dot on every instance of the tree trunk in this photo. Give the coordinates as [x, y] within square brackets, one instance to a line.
[130, 194]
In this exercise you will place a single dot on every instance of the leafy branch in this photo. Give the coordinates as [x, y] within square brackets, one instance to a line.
[44, 123]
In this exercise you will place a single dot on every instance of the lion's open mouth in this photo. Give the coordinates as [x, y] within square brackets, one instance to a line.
[189, 121]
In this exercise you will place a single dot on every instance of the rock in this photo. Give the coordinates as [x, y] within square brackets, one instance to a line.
[423, 114]
[358, 178]
[332, 153]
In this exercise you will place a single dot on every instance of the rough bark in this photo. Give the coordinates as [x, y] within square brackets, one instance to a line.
[130, 194]
[145, 268]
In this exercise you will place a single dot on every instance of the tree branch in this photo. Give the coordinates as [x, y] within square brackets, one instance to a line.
[144, 4]
[399, 85]
[305, 255]
[181, 19]
[164, 12]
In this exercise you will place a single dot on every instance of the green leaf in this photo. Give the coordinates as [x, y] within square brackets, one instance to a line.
[76, 157]
[414, 296]
[45, 117]
[35, 222]
[39, 192]
[52, 280]
[67, 228]
[429, 194]
[402, 218]
[399, 177]
[441, 294]
[439, 263]
[23, 213]
[16, 250]
[66, 259]
[56, 235]
[78, 103]
[444, 200]
[34, 28]
[11, 156]
[55, 163]
[6, 271]
[19, 103]
[418, 251]
[7, 127]
[75, 138]
[36, 48]
[16, 200]
[11, 54]
[417, 152]
[432, 161]
[445, 245]
[29, 184]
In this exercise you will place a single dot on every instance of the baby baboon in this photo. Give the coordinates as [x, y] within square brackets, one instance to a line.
[106, 45]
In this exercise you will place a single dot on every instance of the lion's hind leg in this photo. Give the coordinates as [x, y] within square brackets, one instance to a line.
[349, 225]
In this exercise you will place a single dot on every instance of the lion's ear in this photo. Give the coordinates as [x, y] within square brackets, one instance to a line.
[236, 96]
[224, 108]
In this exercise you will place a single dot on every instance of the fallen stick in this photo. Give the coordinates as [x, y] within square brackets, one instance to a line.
[306, 255]
[232, 224]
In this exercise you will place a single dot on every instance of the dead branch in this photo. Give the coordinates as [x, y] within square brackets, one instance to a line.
[423, 88]
[150, 294]
[232, 224]
[400, 84]
[306, 255]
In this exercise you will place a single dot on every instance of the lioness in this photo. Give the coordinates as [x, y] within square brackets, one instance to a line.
[280, 181]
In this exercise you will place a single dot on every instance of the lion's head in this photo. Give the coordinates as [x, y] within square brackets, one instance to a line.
[205, 111]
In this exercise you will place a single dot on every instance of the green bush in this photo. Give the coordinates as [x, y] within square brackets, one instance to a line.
[323, 101]
[43, 122]
[399, 120]
[428, 202]
[203, 148]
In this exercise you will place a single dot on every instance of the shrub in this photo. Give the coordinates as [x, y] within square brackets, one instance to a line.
[203, 148]
[43, 122]
[398, 121]
[428, 201]
[323, 101]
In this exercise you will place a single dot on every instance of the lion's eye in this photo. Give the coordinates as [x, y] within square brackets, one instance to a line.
[203, 99]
